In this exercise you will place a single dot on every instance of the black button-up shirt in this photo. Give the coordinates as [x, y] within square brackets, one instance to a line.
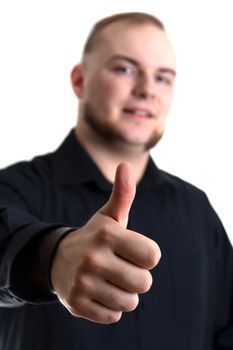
[190, 305]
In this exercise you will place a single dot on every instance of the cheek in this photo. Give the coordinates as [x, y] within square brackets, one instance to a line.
[115, 91]
[99, 93]
[166, 100]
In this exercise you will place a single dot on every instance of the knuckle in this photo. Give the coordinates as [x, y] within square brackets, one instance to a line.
[80, 308]
[154, 255]
[122, 302]
[90, 262]
[145, 282]
[80, 284]
[113, 317]
[132, 303]
[104, 234]
[114, 300]
[74, 303]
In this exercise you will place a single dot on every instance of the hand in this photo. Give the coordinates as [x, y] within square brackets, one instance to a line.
[99, 270]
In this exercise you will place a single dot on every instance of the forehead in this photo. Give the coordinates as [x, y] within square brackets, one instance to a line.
[144, 42]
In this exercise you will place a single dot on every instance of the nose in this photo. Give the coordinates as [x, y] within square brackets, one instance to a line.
[144, 87]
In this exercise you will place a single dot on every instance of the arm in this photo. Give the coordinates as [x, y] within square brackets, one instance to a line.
[123, 255]
[223, 337]
[31, 267]
[20, 231]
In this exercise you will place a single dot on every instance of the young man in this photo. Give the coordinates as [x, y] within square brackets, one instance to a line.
[74, 250]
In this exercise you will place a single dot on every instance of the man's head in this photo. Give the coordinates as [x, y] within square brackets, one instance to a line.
[125, 81]
[129, 17]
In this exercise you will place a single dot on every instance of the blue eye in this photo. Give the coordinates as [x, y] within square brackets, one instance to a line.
[162, 79]
[124, 70]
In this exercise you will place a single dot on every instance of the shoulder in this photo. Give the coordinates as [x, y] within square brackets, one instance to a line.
[191, 202]
[181, 186]
[27, 178]
[188, 197]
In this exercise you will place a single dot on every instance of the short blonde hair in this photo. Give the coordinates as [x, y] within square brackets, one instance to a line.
[131, 17]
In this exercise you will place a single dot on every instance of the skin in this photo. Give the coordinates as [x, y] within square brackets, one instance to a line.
[125, 89]
[121, 75]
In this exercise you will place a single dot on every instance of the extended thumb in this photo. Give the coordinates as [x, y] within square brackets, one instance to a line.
[123, 193]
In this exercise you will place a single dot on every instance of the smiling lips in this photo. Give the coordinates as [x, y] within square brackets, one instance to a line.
[138, 112]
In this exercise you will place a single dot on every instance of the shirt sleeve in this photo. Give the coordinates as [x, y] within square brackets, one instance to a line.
[22, 229]
[30, 272]
[223, 291]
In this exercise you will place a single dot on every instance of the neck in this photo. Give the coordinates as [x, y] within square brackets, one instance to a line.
[108, 155]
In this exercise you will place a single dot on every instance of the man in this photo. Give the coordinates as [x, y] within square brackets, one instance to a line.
[74, 250]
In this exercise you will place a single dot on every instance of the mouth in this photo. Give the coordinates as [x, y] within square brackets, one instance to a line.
[138, 113]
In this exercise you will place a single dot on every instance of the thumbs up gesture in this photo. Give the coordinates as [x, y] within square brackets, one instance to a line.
[99, 270]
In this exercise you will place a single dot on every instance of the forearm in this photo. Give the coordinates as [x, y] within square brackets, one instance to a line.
[28, 275]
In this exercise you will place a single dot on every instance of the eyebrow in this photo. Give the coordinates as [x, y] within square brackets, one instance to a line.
[137, 64]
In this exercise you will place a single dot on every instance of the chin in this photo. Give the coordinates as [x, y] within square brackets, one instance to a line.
[147, 137]
[153, 141]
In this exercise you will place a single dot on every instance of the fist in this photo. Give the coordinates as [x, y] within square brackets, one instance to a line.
[99, 270]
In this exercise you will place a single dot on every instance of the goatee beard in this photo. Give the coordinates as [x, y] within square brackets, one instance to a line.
[106, 130]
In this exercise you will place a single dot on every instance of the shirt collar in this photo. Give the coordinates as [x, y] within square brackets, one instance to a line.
[72, 164]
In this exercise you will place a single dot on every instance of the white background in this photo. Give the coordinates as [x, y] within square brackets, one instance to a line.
[40, 41]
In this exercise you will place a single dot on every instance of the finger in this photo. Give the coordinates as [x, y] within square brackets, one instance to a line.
[94, 311]
[120, 201]
[127, 276]
[138, 249]
[112, 296]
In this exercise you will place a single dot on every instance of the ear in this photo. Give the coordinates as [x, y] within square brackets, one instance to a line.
[77, 79]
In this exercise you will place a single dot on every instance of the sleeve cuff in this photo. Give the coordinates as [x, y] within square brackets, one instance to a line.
[30, 275]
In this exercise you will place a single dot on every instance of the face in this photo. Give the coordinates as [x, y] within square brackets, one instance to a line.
[125, 85]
